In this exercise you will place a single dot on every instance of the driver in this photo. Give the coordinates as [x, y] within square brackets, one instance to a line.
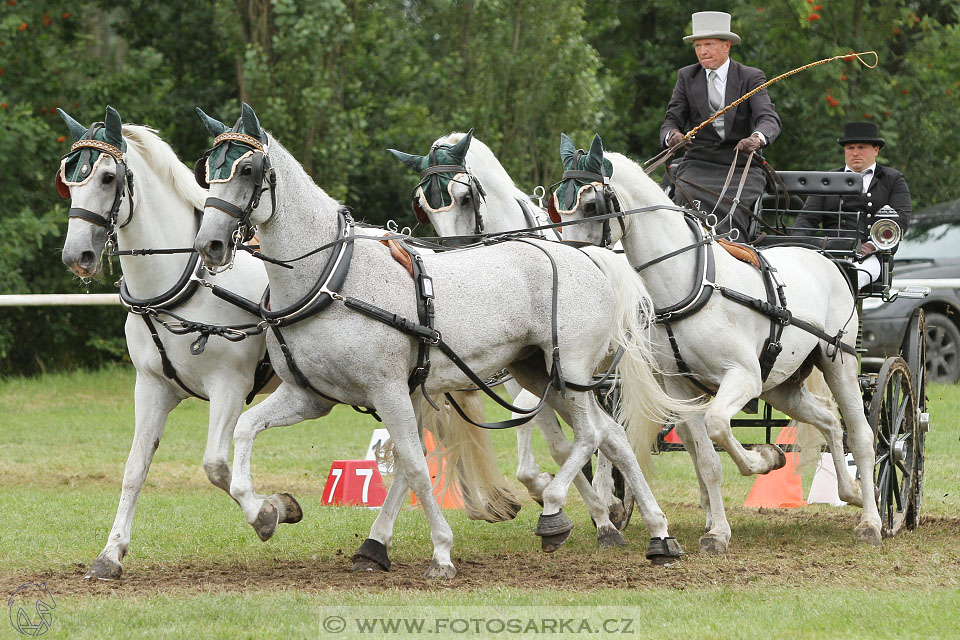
[701, 90]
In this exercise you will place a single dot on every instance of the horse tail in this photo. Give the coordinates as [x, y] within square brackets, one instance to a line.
[468, 458]
[644, 406]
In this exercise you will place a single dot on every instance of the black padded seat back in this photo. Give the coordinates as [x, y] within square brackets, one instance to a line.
[828, 183]
[845, 246]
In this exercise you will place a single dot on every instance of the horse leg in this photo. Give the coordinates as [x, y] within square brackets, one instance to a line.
[373, 553]
[225, 409]
[603, 486]
[663, 548]
[528, 471]
[801, 404]
[286, 406]
[554, 526]
[738, 387]
[153, 400]
[841, 377]
[400, 420]
[706, 461]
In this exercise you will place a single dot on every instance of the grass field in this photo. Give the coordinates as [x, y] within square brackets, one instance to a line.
[196, 569]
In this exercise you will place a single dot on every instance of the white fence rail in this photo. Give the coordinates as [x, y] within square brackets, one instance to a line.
[92, 299]
[59, 299]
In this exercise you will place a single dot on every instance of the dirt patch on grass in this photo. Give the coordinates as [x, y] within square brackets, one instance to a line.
[775, 548]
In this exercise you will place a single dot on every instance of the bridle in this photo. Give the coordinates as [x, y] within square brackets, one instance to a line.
[123, 179]
[431, 175]
[262, 176]
[605, 196]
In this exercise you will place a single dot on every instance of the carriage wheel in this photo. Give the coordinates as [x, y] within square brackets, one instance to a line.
[914, 353]
[899, 444]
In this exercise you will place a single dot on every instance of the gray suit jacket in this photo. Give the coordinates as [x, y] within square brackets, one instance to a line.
[689, 107]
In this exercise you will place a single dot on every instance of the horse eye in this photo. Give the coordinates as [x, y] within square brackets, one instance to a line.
[246, 170]
[108, 178]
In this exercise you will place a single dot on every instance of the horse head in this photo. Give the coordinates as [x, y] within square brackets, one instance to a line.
[448, 195]
[585, 192]
[95, 177]
[237, 170]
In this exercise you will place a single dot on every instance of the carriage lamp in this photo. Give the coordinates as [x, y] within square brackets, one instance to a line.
[885, 234]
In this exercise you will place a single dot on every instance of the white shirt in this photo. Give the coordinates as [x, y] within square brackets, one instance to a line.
[867, 173]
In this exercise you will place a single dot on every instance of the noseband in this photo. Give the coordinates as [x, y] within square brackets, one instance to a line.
[262, 175]
[432, 175]
[123, 178]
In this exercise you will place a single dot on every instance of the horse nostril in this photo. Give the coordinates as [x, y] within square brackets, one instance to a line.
[214, 248]
[88, 260]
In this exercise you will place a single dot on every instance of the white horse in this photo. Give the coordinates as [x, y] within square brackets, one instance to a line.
[164, 213]
[161, 212]
[329, 317]
[722, 342]
[482, 198]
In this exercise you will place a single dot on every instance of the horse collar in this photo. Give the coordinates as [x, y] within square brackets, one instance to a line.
[328, 284]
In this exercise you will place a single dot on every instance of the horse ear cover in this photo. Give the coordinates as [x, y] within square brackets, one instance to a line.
[214, 126]
[112, 127]
[77, 130]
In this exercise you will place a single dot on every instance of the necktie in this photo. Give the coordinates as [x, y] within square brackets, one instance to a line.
[713, 94]
[867, 177]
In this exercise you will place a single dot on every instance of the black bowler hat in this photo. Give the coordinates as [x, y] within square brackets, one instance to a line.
[861, 132]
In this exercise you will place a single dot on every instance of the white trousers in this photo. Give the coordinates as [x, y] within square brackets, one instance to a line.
[868, 271]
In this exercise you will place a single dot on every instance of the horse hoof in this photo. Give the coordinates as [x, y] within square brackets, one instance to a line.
[617, 515]
[292, 513]
[664, 551]
[553, 530]
[267, 521]
[371, 556]
[713, 544]
[104, 569]
[549, 544]
[772, 455]
[437, 571]
[610, 538]
[867, 534]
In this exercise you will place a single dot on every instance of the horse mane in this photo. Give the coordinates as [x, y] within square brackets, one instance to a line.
[483, 162]
[627, 172]
[304, 179]
[165, 163]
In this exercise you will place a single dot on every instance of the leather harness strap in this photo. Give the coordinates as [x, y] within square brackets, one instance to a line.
[774, 307]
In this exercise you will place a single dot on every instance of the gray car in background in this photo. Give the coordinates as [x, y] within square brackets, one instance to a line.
[930, 251]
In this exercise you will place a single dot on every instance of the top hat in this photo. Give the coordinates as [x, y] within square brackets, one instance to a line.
[861, 132]
[712, 24]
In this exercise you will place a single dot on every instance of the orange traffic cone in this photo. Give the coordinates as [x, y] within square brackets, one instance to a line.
[672, 436]
[780, 489]
[447, 497]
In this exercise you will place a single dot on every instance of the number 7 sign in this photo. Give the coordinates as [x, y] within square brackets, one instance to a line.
[354, 482]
